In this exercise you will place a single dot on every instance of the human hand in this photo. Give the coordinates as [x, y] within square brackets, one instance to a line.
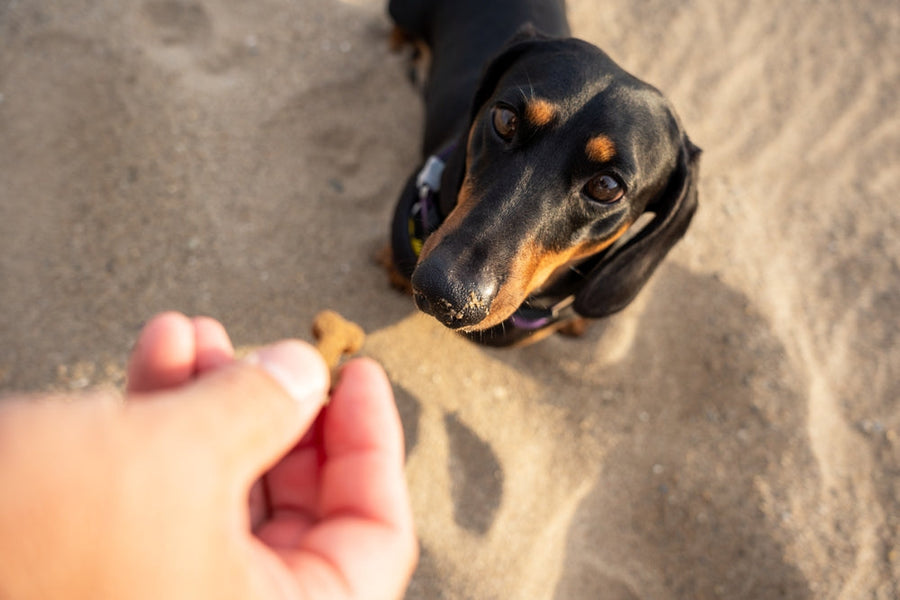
[149, 499]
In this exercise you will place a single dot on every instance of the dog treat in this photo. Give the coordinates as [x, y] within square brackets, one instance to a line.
[336, 337]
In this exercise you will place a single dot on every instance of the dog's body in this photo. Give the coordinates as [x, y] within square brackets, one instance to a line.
[544, 153]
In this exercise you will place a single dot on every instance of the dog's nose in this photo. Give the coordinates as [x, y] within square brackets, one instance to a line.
[453, 302]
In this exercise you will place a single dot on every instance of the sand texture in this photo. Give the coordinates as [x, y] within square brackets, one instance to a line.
[733, 434]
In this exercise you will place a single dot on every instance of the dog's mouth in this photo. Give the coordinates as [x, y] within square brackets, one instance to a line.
[470, 299]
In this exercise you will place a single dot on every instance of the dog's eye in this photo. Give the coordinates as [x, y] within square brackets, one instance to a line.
[604, 188]
[505, 122]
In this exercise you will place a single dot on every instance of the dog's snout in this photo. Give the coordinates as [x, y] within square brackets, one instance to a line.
[454, 302]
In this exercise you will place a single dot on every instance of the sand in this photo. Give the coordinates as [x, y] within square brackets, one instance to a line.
[733, 434]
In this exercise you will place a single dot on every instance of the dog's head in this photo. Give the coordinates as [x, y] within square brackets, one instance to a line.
[565, 152]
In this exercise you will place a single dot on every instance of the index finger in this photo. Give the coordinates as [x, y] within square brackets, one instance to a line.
[363, 446]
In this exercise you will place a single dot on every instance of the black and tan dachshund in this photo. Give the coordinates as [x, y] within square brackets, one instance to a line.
[542, 157]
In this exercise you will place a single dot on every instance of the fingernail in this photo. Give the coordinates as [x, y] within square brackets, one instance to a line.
[297, 367]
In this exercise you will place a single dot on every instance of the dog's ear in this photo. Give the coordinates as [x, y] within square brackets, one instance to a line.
[614, 282]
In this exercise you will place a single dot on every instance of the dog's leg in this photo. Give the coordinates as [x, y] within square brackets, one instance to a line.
[385, 259]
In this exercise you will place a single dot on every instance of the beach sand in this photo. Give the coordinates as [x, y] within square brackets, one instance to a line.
[733, 434]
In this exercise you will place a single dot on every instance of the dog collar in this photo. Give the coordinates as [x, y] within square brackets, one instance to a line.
[424, 214]
[532, 319]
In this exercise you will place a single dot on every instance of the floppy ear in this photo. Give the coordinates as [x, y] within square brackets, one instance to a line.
[616, 280]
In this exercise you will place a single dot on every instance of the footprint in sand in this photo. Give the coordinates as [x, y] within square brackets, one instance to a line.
[182, 34]
[476, 476]
[179, 22]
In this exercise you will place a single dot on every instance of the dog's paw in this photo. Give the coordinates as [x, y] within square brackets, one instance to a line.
[385, 259]
[577, 327]
[418, 55]
[399, 39]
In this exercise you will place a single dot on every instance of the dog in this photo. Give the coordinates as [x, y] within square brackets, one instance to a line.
[542, 157]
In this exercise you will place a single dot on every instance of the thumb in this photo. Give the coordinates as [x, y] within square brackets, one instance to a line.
[252, 412]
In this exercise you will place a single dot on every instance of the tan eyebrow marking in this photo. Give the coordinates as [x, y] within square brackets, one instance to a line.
[539, 112]
[600, 148]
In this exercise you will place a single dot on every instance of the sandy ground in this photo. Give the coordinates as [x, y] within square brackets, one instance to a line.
[733, 434]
